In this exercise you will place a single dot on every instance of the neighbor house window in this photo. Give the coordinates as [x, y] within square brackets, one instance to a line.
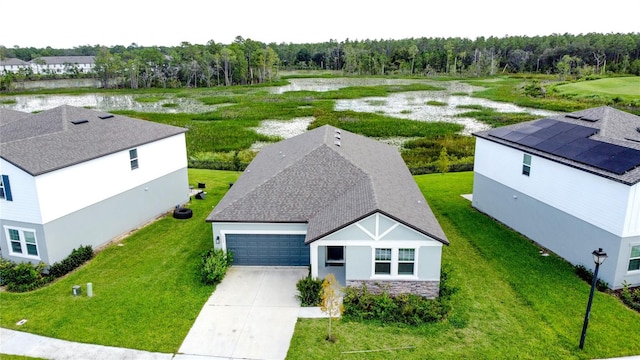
[5, 188]
[406, 261]
[526, 164]
[133, 158]
[634, 261]
[335, 254]
[22, 242]
[383, 262]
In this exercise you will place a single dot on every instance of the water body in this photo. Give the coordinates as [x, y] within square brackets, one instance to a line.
[33, 103]
[405, 105]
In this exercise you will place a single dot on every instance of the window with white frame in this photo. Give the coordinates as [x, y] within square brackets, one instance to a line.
[526, 164]
[395, 262]
[383, 262]
[22, 242]
[406, 261]
[133, 158]
[634, 260]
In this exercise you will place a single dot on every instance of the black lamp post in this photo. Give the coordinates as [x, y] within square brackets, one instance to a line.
[599, 257]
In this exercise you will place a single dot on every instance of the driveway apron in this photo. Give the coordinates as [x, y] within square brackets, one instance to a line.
[251, 315]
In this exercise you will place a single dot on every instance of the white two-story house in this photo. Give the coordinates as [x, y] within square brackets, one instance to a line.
[72, 176]
[571, 183]
[12, 65]
[62, 64]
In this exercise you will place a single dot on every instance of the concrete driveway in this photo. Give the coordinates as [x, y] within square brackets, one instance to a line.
[251, 315]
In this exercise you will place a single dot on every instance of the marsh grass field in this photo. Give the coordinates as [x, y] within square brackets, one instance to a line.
[225, 135]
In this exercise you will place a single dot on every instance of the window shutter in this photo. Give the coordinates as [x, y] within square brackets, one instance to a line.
[7, 188]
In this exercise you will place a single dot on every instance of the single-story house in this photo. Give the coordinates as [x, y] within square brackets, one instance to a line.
[338, 202]
[570, 183]
[72, 176]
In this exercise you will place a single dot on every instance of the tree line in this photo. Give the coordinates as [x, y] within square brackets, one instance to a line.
[246, 61]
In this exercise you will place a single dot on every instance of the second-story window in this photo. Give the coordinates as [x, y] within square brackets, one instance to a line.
[526, 164]
[133, 158]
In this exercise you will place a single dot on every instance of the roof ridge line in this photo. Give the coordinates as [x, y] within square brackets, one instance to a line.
[268, 179]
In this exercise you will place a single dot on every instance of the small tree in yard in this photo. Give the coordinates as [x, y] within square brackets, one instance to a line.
[331, 304]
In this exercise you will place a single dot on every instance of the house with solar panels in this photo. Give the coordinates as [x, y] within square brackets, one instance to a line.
[570, 183]
[72, 177]
[338, 202]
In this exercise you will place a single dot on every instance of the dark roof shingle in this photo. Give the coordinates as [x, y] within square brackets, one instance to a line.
[48, 141]
[309, 178]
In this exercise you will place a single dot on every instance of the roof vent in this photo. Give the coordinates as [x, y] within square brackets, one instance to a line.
[78, 122]
[337, 136]
[336, 142]
[588, 119]
[572, 116]
[108, 116]
[337, 131]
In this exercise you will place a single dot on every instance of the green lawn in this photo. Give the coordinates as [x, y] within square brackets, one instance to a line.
[616, 86]
[147, 293]
[512, 302]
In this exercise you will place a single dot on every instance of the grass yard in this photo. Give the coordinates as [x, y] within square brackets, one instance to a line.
[512, 303]
[147, 293]
[623, 87]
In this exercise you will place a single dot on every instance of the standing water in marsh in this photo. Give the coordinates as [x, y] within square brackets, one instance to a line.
[434, 105]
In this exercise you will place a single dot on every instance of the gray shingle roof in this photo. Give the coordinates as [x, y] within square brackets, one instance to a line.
[51, 60]
[48, 141]
[308, 178]
[13, 61]
[8, 115]
[613, 126]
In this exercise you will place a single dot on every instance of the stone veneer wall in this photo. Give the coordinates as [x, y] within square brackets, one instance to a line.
[428, 289]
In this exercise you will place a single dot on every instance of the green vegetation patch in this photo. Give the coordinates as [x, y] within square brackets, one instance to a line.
[422, 154]
[380, 126]
[495, 118]
[511, 89]
[8, 101]
[436, 103]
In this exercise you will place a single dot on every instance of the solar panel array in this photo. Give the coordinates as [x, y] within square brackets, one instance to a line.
[572, 142]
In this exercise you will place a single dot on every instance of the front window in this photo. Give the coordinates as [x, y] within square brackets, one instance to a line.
[22, 242]
[634, 260]
[526, 164]
[335, 254]
[383, 262]
[133, 158]
[406, 261]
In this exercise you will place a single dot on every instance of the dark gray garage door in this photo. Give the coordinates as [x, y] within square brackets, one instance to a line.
[268, 249]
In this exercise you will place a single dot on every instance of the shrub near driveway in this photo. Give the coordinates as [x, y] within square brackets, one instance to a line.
[512, 303]
[147, 293]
